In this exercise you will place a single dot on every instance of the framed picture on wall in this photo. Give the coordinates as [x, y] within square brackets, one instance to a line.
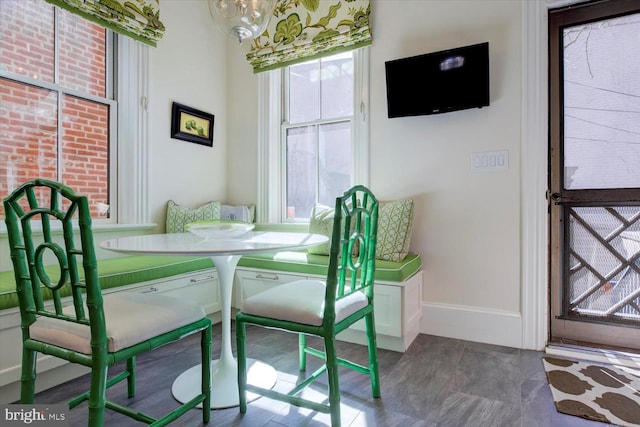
[191, 125]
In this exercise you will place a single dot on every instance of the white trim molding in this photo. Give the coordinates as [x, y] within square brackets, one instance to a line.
[534, 155]
[133, 132]
[472, 324]
[269, 114]
[360, 136]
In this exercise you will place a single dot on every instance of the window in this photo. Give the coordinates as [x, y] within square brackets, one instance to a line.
[57, 100]
[63, 103]
[313, 134]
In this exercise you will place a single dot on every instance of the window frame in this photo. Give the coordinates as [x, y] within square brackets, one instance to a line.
[272, 131]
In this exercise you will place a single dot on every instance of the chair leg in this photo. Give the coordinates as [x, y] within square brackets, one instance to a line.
[241, 334]
[97, 395]
[332, 375]
[131, 379]
[373, 355]
[302, 354]
[28, 376]
[206, 344]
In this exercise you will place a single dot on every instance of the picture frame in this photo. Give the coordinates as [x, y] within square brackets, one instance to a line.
[190, 124]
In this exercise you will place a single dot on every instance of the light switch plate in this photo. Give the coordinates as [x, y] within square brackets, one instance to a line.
[489, 161]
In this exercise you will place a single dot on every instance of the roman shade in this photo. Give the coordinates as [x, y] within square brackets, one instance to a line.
[301, 30]
[139, 19]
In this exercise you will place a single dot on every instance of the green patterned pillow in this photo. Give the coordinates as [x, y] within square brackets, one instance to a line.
[321, 222]
[395, 220]
[179, 216]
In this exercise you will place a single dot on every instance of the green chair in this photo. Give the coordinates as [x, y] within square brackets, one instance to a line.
[47, 223]
[323, 308]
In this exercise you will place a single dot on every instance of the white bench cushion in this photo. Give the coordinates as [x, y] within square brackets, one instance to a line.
[131, 318]
[301, 301]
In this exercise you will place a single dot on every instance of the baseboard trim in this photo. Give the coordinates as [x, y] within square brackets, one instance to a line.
[472, 324]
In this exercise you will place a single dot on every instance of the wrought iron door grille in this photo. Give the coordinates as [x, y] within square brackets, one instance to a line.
[603, 264]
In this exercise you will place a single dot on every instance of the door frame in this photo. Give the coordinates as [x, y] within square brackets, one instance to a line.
[534, 285]
[534, 179]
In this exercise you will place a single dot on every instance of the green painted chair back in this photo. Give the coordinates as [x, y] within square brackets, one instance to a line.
[49, 224]
[30, 212]
[352, 252]
[351, 270]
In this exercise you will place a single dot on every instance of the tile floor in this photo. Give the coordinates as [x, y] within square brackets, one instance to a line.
[436, 382]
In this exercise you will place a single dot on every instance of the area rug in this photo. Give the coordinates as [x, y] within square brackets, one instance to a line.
[609, 394]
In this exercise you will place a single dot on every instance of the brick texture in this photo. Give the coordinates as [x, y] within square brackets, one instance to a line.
[30, 146]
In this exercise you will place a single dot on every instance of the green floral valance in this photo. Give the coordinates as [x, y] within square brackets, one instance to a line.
[301, 30]
[139, 19]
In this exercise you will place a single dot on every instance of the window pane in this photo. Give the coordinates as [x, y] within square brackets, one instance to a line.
[85, 150]
[26, 38]
[337, 86]
[28, 139]
[82, 49]
[601, 104]
[335, 161]
[301, 171]
[304, 92]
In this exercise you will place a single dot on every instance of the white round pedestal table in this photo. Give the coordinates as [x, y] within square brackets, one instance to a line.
[225, 254]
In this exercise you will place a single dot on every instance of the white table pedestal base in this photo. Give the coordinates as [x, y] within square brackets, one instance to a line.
[224, 388]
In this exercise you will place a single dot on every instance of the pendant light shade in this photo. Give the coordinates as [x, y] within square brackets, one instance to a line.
[242, 19]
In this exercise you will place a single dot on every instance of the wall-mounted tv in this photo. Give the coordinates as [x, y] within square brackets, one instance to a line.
[438, 82]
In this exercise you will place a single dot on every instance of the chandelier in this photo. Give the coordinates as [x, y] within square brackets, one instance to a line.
[243, 19]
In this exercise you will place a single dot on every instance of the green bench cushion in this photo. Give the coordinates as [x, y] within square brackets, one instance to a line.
[306, 263]
[114, 272]
[128, 270]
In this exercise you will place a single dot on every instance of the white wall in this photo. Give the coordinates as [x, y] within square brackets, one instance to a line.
[242, 127]
[467, 225]
[189, 67]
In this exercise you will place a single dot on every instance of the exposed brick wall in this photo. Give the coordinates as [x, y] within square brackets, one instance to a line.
[82, 55]
[27, 38]
[85, 148]
[29, 115]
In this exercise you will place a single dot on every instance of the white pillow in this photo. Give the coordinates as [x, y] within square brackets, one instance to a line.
[237, 213]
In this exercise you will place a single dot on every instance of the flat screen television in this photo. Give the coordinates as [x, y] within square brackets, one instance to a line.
[438, 82]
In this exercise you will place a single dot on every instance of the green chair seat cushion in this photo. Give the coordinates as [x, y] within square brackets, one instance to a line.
[305, 263]
[113, 273]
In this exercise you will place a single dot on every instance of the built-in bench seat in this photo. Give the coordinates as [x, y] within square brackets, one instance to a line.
[317, 265]
[397, 291]
[192, 279]
[398, 295]
[128, 270]
[114, 273]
